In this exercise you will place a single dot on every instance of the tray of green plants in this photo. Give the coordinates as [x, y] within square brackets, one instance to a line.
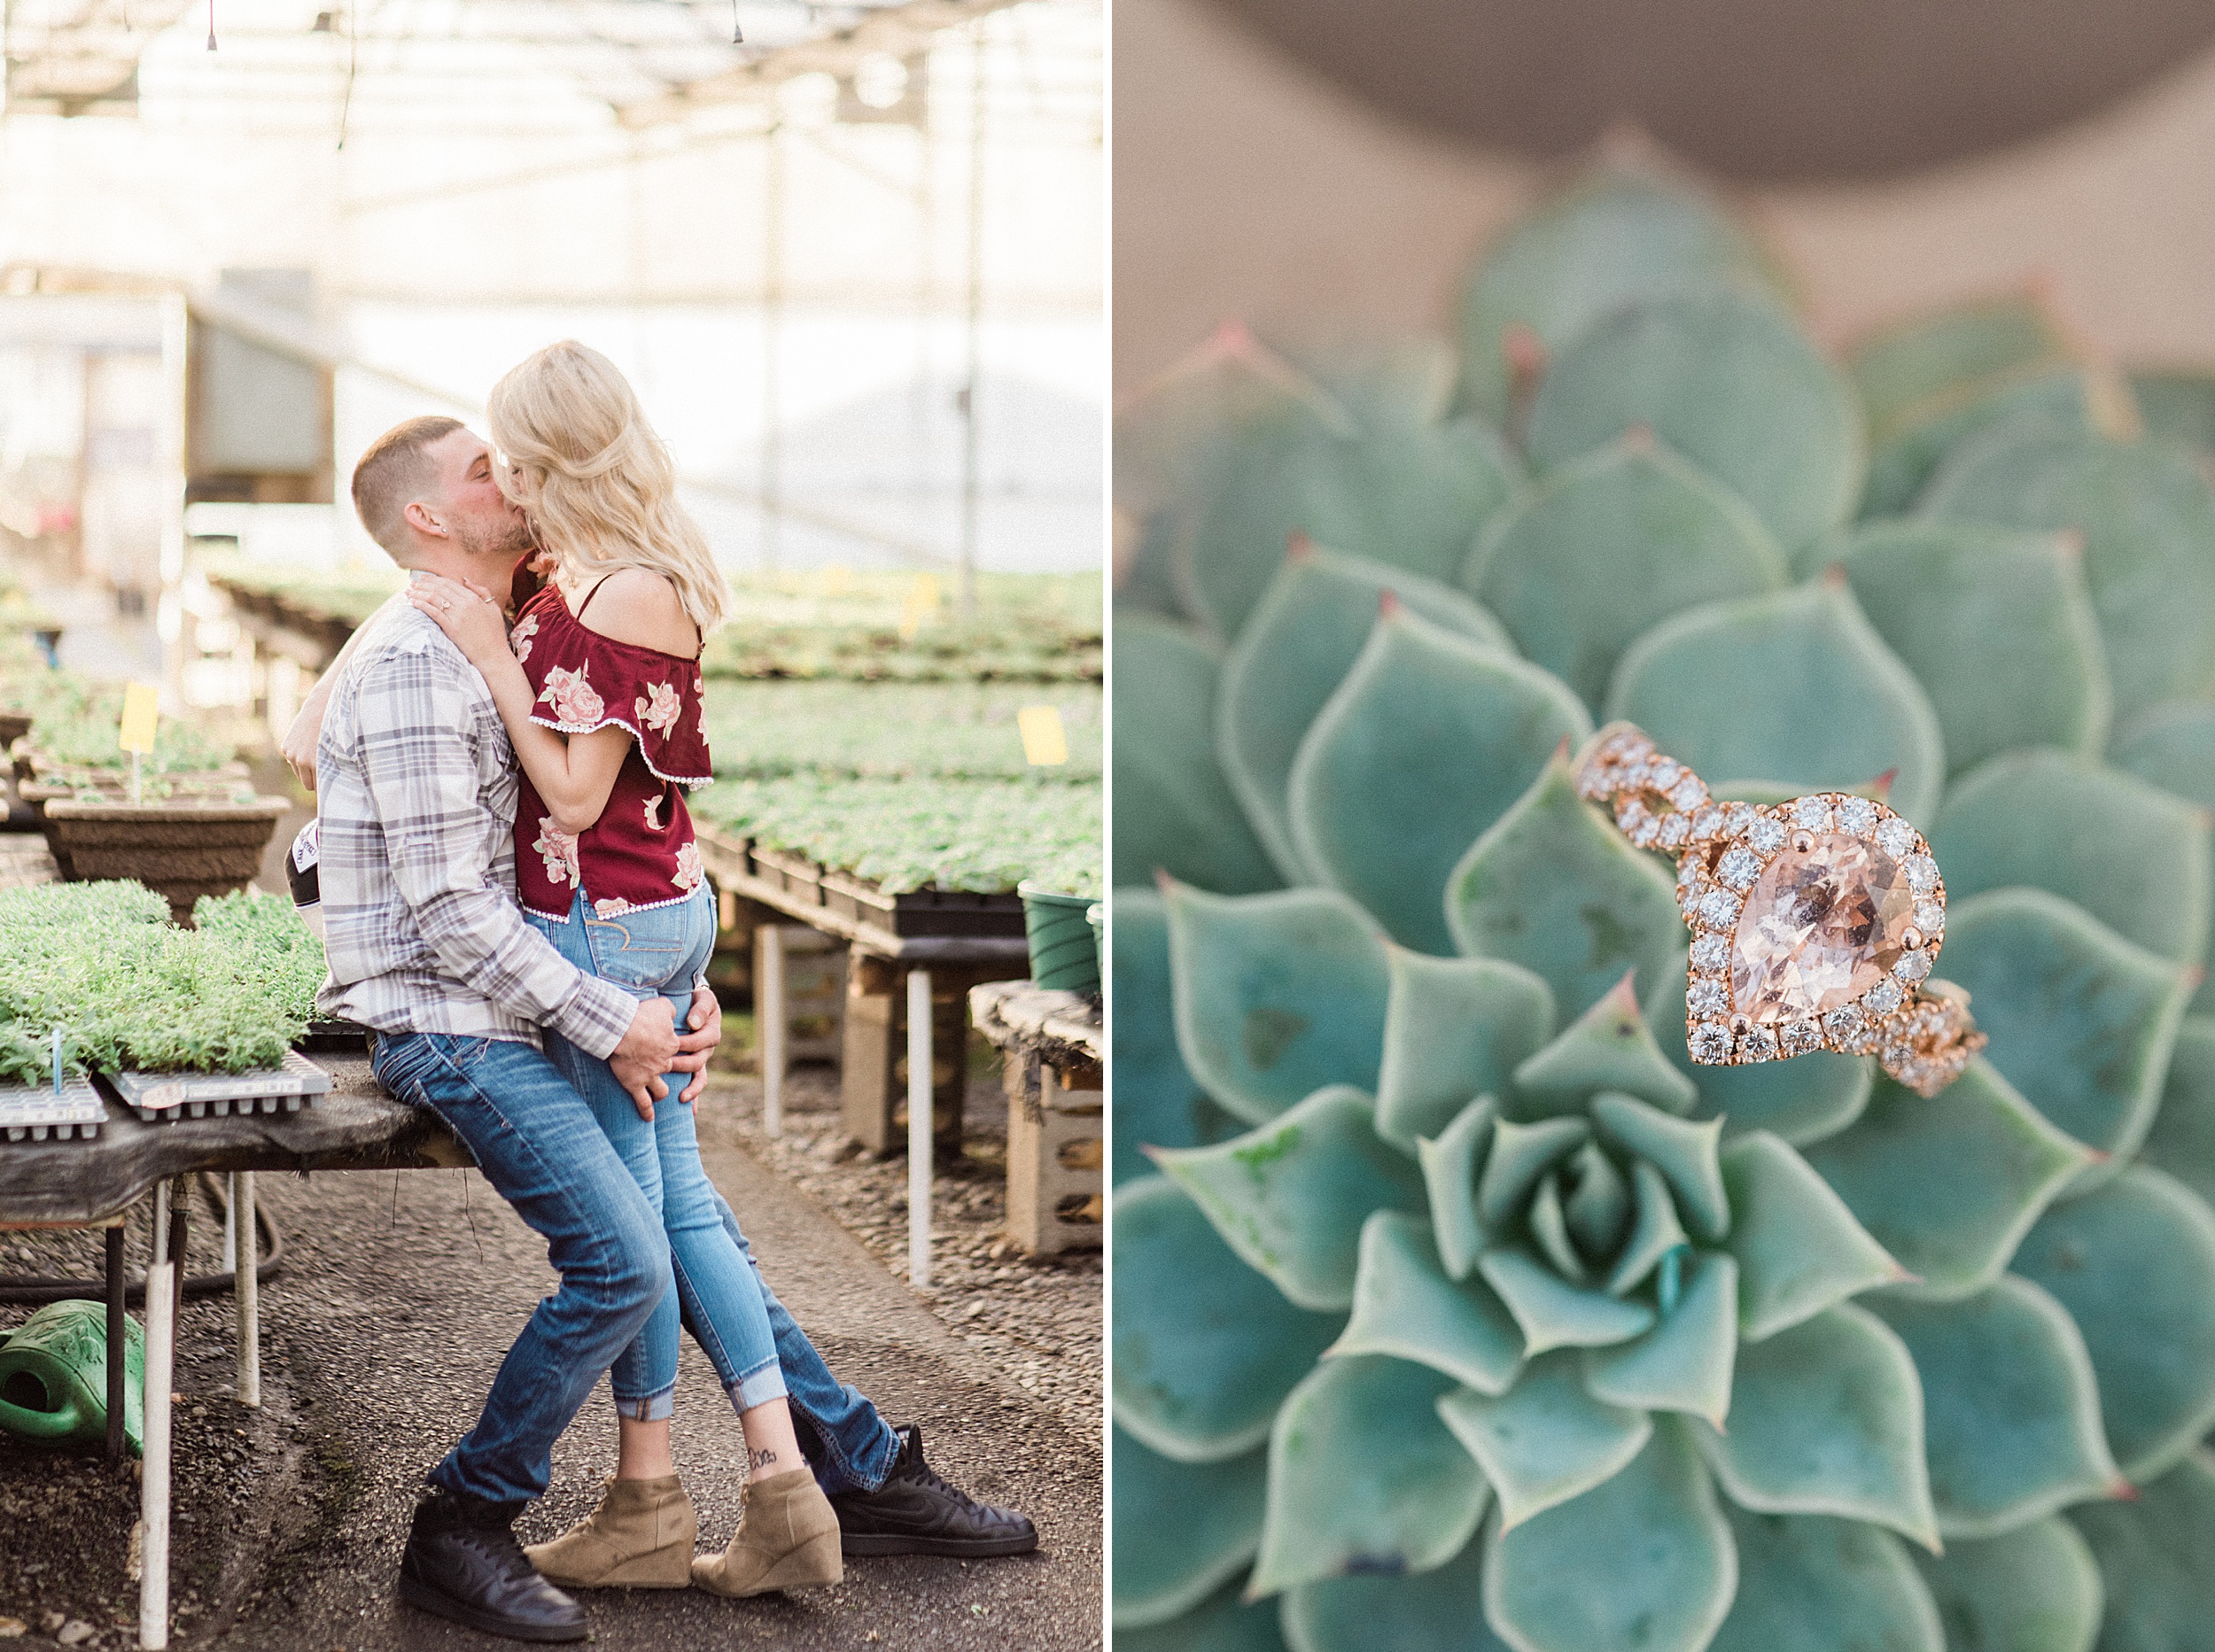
[347, 596]
[177, 1022]
[889, 627]
[763, 731]
[72, 742]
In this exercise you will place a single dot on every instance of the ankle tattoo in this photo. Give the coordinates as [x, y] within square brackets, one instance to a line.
[757, 1460]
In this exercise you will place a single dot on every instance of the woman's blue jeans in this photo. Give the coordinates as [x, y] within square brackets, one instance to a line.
[665, 950]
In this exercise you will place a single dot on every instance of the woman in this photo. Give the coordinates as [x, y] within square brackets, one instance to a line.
[598, 685]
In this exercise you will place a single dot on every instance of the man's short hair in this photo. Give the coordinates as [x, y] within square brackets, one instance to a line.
[393, 474]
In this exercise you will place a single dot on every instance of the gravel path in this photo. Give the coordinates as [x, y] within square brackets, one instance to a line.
[399, 1295]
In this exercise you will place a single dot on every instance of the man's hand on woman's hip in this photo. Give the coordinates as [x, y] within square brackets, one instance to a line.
[648, 1050]
[697, 1045]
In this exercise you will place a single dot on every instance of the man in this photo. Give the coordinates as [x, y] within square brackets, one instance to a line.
[427, 946]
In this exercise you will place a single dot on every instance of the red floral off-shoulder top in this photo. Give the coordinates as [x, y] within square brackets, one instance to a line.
[642, 851]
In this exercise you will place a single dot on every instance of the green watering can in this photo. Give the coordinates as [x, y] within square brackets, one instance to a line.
[54, 1376]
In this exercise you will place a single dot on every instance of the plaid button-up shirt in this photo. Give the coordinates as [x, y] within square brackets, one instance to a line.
[415, 788]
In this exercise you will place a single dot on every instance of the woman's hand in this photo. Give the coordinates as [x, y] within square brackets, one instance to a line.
[467, 613]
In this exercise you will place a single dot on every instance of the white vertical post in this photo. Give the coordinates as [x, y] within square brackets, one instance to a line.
[920, 1122]
[773, 1020]
[246, 1287]
[161, 1329]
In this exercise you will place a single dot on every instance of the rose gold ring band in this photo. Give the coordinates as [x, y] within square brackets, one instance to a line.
[1748, 996]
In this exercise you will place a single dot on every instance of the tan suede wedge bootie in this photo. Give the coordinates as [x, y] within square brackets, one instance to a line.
[787, 1539]
[640, 1537]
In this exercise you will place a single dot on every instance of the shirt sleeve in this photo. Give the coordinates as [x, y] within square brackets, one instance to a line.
[416, 718]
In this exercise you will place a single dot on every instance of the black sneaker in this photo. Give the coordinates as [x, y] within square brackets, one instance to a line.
[462, 1562]
[914, 1512]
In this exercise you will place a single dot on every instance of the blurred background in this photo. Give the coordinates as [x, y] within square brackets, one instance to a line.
[853, 266]
[1287, 162]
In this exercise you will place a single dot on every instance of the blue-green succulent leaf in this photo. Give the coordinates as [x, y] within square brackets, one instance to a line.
[1554, 1314]
[1182, 1529]
[1278, 995]
[1432, 1611]
[1827, 1419]
[1727, 380]
[1549, 1228]
[1378, 809]
[2178, 406]
[1451, 1165]
[1607, 546]
[2035, 1590]
[1291, 1195]
[2173, 747]
[2130, 854]
[1667, 1567]
[2133, 1261]
[1798, 1246]
[1810, 1584]
[1405, 1306]
[1684, 1363]
[1225, 1622]
[2081, 1021]
[1597, 1206]
[1363, 1476]
[1158, 1102]
[1997, 625]
[1204, 1348]
[1297, 647]
[1520, 1155]
[2148, 518]
[1656, 1233]
[1614, 236]
[2011, 1408]
[1555, 888]
[2182, 1141]
[2155, 1556]
[1793, 688]
[1174, 810]
[1900, 466]
[1608, 1047]
[1683, 1152]
[1949, 1184]
[1798, 1101]
[1455, 1028]
[1899, 371]
[1545, 1440]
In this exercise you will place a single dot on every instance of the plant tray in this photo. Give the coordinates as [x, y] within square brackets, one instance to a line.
[952, 912]
[332, 1038]
[34, 1113]
[800, 877]
[165, 1097]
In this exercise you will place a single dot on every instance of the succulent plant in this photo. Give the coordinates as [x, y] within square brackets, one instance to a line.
[1454, 1306]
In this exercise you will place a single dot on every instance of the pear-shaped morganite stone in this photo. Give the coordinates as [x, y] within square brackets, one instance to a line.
[1821, 926]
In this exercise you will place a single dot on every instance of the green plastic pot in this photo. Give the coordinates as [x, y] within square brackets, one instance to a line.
[1063, 953]
[54, 1380]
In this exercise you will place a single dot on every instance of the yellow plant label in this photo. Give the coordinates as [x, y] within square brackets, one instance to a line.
[920, 604]
[140, 700]
[1044, 741]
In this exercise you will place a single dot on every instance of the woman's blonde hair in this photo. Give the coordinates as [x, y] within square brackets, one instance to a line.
[594, 479]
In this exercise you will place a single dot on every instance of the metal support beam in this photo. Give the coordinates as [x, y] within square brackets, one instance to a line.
[921, 1118]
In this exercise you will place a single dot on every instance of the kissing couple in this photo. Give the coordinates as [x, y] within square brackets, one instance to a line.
[513, 901]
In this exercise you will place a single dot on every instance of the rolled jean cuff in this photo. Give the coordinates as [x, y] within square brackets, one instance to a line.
[757, 1387]
[654, 1408]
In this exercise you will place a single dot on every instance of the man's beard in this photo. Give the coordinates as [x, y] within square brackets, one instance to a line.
[513, 539]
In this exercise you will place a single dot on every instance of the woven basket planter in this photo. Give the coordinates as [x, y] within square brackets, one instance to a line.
[180, 850]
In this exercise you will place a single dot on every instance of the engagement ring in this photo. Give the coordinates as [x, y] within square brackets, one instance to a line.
[1815, 922]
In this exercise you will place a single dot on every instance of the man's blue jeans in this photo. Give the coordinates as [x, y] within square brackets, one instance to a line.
[539, 1146]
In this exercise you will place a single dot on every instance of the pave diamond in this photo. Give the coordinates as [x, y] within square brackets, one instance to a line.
[1799, 1037]
[1930, 918]
[1912, 966]
[1673, 831]
[1736, 819]
[1812, 814]
[1706, 996]
[1884, 998]
[1757, 1043]
[1710, 1043]
[1708, 822]
[1842, 1023]
[1718, 909]
[1896, 837]
[1922, 873]
[1858, 816]
[1766, 835]
[1663, 774]
[1822, 925]
[1711, 954]
[1688, 794]
[1739, 867]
